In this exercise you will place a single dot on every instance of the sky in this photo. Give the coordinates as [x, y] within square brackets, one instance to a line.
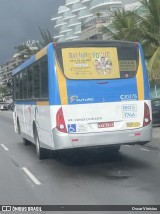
[19, 21]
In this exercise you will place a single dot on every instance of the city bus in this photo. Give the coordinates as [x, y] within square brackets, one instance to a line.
[83, 94]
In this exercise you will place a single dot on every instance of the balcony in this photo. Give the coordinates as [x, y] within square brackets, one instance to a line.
[65, 29]
[73, 22]
[62, 39]
[96, 22]
[83, 14]
[62, 9]
[69, 3]
[58, 36]
[77, 30]
[55, 18]
[91, 27]
[68, 15]
[103, 4]
[60, 23]
[132, 6]
[77, 7]
[71, 36]
[86, 2]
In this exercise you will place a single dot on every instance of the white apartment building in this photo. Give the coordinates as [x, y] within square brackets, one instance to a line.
[7, 68]
[19, 57]
[81, 19]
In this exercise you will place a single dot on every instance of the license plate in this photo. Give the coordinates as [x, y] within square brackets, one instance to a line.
[133, 124]
[106, 125]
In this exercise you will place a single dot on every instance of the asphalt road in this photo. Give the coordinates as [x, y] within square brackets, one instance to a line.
[131, 177]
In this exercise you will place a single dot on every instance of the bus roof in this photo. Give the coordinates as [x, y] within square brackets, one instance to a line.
[77, 43]
[89, 43]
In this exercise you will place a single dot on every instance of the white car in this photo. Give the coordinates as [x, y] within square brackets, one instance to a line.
[3, 106]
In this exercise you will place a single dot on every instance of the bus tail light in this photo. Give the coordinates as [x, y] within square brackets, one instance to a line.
[60, 123]
[147, 119]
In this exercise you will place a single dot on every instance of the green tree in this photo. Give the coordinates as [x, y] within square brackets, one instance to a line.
[3, 90]
[122, 27]
[142, 27]
[25, 51]
[46, 38]
[151, 42]
[98, 14]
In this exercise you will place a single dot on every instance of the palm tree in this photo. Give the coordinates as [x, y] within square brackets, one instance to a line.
[151, 43]
[46, 38]
[25, 51]
[144, 28]
[122, 27]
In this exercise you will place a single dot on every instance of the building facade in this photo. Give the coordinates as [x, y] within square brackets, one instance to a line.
[18, 58]
[82, 19]
[7, 68]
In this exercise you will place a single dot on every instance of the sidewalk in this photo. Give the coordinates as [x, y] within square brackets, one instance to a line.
[155, 143]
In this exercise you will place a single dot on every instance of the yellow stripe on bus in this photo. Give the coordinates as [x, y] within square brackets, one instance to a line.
[62, 85]
[140, 80]
[43, 103]
[41, 53]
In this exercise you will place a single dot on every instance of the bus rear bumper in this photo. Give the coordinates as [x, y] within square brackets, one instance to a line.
[136, 136]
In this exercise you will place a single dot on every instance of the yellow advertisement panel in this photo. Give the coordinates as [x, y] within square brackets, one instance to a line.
[90, 63]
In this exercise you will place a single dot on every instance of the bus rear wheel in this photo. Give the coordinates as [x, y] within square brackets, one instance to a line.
[26, 142]
[41, 152]
[115, 148]
[18, 127]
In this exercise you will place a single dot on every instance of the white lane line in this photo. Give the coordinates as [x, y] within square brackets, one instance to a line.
[31, 176]
[127, 145]
[147, 150]
[4, 147]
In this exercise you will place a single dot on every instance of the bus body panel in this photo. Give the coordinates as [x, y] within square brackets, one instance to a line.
[82, 122]
[103, 108]
[101, 91]
[145, 75]
[129, 137]
[96, 112]
[38, 113]
[118, 115]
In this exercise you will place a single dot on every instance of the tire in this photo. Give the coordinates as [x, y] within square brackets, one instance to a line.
[26, 142]
[18, 127]
[115, 148]
[41, 152]
[111, 149]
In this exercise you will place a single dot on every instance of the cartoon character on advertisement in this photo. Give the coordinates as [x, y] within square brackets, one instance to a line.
[103, 65]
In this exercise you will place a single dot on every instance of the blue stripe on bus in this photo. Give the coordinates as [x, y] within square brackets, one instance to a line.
[26, 102]
[25, 64]
[54, 95]
[145, 75]
[94, 91]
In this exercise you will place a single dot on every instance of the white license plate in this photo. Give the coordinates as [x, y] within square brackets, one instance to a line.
[106, 125]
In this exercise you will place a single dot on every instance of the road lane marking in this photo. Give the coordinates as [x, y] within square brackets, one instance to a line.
[31, 176]
[147, 150]
[4, 147]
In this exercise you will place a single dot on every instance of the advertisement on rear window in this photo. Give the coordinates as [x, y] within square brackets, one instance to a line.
[128, 65]
[90, 63]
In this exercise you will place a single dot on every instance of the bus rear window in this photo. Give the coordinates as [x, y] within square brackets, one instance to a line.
[99, 62]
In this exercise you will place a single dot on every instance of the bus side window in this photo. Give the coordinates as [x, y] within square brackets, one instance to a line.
[20, 85]
[25, 84]
[36, 74]
[30, 83]
[17, 86]
[44, 77]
